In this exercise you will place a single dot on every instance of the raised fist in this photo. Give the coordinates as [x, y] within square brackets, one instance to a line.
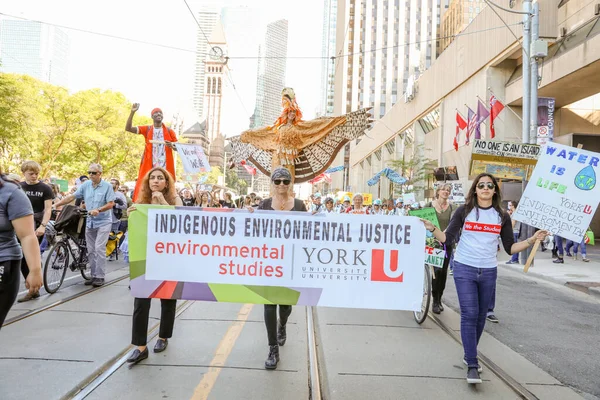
[135, 107]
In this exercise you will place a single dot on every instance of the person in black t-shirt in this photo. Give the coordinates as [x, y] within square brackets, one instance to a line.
[40, 195]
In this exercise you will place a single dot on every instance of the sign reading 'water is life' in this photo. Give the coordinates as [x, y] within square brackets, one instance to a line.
[563, 194]
[334, 260]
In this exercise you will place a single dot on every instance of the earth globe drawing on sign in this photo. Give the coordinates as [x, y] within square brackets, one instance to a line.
[586, 178]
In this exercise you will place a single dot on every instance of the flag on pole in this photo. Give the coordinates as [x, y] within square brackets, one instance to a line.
[471, 121]
[461, 124]
[250, 169]
[482, 114]
[496, 108]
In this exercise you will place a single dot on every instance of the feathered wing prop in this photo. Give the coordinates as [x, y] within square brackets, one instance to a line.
[313, 159]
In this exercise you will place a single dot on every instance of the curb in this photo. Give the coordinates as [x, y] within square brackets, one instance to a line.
[591, 291]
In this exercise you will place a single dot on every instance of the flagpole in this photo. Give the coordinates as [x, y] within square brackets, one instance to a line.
[505, 105]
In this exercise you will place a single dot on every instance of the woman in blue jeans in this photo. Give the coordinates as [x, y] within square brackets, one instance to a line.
[482, 221]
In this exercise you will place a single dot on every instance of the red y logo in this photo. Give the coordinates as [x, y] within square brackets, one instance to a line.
[384, 266]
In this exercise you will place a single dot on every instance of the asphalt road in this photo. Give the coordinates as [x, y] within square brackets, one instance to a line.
[554, 327]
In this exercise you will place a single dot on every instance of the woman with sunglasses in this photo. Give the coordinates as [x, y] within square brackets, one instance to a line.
[482, 221]
[158, 187]
[282, 200]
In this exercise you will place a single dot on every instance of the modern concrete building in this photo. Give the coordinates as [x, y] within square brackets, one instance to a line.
[207, 18]
[34, 49]
[458, 16]
[271, 74]
[327, 52]
[471, 65]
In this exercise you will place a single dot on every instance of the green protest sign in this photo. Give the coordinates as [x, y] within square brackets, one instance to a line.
[427, 213]
[63, 184]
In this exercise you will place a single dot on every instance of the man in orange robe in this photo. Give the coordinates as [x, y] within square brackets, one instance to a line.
[155, 154]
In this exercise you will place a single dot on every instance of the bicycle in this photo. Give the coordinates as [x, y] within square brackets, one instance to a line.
[421, 315]
[72, 246]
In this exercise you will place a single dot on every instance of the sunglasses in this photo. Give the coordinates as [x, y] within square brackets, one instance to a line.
[278, 182]
[482, 185]
[93, 172]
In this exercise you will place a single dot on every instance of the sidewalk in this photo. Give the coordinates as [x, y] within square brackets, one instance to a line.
[575, 274]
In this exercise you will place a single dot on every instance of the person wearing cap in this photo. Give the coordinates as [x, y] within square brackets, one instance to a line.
[316, 206]
[329, 209]
[158, 154]
[281, 179]
[345, 207]
[400, 211]
[377, 208]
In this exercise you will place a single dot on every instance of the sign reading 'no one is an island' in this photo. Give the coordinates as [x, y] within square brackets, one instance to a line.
[505, 152]
[562, 195]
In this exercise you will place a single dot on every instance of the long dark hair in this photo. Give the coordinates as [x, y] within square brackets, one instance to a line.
[471, 199]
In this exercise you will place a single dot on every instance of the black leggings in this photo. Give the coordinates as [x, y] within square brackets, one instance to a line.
[439, 283]
[9, 286]
[141, 313]
[271, 320]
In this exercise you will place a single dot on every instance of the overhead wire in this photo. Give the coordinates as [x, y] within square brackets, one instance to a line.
[338, 57]
[228, 70]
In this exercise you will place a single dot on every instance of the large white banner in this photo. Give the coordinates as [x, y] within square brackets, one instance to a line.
[562, 195]
[358, 261]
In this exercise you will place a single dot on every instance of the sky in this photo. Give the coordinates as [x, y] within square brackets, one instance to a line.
[161, 77]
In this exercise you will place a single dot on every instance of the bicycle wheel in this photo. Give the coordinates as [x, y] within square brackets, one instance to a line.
[422, 314]
[55, 267]
[84, 267]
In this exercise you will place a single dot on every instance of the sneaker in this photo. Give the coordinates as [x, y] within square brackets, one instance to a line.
[492, 318]
[451, 272]
[97, 282]
[479, 367]
[559, 260]
[569, 255]
[511, 262]
[473, 376]
[575, 256]
[29, 296]
[585, 259]
[89, 282]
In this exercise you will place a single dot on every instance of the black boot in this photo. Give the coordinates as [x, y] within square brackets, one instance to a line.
[281, 334]
[273, 358]
[436, 307]
[440, 304]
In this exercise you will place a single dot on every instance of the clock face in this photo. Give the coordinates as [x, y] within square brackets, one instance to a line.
[216, 53]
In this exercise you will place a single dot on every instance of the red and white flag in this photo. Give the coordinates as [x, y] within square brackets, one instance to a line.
[461, 124]
[250, 169]
[496, 108]
[471, 124]
[324, 177]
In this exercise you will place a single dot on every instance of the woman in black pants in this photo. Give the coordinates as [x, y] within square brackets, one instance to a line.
[16, 220]
[158, 187]
[281, 180]
[443, 210]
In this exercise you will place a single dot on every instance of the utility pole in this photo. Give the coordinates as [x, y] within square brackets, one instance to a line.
[535, 35]
[526, 72]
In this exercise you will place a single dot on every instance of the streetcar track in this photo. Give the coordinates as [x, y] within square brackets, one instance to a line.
[57, 303]
[100, 375]
[511, 382]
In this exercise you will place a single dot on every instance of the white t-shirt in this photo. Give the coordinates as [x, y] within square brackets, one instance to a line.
[478, 245]
[159, 157]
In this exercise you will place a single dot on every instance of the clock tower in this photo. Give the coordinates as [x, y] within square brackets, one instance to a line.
[215, 77]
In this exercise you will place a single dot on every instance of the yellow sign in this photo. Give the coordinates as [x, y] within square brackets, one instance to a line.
[367, 199]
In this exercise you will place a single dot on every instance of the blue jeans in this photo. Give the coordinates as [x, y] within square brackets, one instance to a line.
[515, 257]
[492, 304]
[559, 245]
[475, 287]
[576, 246]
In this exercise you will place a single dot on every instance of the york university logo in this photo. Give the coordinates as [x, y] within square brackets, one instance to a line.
[384, 266]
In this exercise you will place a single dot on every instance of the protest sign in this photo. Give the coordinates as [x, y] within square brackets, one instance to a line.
[193, 158]
[434, 257]
[457, 194]
[505, 152]
[427, 213]
[268, 257]
[562, 195]
[367, 199]
[409, 198]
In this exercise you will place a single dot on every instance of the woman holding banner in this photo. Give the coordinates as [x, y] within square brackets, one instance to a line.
[479, 223]
[281, 180]
[158, 187]
[443, 210]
